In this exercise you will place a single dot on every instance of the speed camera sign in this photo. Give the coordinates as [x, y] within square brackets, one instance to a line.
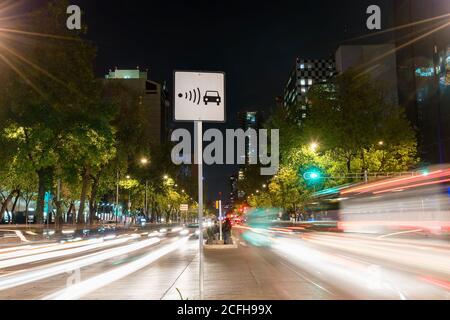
[199, 96]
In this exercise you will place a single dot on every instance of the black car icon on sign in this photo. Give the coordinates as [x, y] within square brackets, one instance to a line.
[212, 96]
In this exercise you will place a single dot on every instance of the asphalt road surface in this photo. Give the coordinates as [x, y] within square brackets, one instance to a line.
[268, 264]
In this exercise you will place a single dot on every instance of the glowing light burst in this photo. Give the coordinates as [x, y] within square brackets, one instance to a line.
[13, 14]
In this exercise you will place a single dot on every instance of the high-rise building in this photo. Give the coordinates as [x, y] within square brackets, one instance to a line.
[153, 96]
[233, 189]
[423, 60]
[376, 60]
[250, 120]
[306, 73]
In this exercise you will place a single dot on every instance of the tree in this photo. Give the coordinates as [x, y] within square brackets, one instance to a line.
[285, 190]
[353, 115]
[90, 150]
[47, 89]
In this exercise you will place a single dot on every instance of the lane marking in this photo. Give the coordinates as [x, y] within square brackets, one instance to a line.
[305, 278]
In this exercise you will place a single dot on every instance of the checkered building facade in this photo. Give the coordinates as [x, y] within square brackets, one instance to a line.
[306, 73]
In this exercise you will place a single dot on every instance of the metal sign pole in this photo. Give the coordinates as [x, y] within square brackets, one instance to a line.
[198, 128]
[220, 219]
[194, 93]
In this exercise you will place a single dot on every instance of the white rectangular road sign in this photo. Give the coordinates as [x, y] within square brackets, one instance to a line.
[199, 96]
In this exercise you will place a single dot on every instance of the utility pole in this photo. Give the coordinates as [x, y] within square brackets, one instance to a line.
[58, 201]
[146, 202]
[117, 196]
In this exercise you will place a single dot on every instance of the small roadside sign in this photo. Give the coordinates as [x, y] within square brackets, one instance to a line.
[199, 96]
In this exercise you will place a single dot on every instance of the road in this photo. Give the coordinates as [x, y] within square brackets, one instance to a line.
[268, 264]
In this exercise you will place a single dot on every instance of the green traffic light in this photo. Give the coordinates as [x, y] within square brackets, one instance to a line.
[314, 175]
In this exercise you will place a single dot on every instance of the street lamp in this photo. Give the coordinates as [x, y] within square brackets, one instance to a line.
[166, 177]
[129, 195]
[381, 143]
[314, 146]
[264, 186]
[144, 162]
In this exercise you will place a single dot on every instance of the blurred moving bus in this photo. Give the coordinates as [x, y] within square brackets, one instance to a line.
[420, 202]
[416, 203]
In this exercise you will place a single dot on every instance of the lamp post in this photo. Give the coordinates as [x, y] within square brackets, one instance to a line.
[129, 195]
[117, 196]
[144, 162]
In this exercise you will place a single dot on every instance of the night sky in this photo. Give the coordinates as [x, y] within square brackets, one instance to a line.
[254, 42]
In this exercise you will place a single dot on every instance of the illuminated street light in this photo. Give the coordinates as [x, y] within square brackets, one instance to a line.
[264, 186]
[314, 146]
[166, 177]
[381, 143]
[144, 161]
[128, 177]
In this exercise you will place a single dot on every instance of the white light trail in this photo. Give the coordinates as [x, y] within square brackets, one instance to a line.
[28, 276]
[395, 273]
[85, 287]
[58, 252]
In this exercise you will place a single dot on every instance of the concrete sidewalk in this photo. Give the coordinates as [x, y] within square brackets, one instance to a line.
[245, 273]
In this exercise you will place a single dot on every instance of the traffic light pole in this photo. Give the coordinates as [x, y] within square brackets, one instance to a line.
[198, 129]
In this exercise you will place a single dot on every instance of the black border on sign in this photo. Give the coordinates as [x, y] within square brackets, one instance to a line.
[224, 97]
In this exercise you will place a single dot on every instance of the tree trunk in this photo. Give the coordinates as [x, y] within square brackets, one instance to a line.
[69, 211]
[40, 202]
[5, 204]
[93, 198]
[84, 189]
[59, 214]
[27, 204]
[13, 209]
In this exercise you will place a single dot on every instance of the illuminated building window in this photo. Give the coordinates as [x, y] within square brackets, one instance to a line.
[425, 72]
